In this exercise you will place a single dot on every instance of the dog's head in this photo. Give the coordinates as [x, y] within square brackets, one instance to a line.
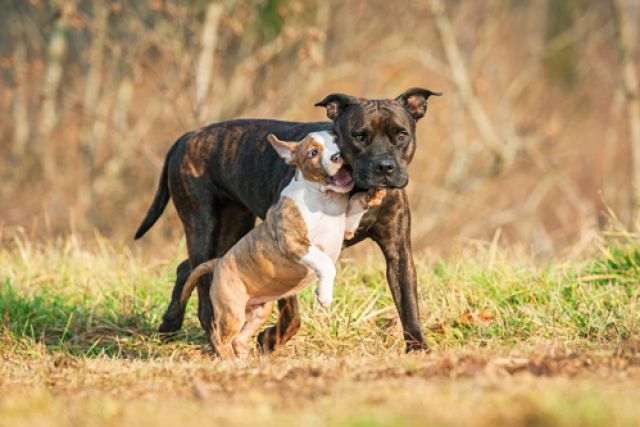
[319, 160]
[378, 137]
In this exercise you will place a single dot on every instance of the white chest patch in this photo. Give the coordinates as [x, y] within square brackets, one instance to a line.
[323, 214]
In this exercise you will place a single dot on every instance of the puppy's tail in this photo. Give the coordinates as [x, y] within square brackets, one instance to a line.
[192, 280]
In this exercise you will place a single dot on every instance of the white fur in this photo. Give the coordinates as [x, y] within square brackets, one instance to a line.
[330, 149]
[355, 211]
[328, 141]
[324, 268]
[323, 213]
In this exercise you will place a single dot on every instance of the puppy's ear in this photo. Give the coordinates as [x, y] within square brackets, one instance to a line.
[286, 150]
[336, 103]
[414, 100]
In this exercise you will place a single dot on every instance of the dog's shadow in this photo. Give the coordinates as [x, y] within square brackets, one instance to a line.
[89, 328]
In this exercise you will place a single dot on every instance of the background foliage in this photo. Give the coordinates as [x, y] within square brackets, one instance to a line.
[533, 136]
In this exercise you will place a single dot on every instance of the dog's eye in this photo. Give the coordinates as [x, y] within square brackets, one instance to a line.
[403, 136]
[311, 154]
[359, 137]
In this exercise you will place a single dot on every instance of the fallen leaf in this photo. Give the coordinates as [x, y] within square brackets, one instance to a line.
[487, 315]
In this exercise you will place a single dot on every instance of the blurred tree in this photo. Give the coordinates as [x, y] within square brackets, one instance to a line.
[562, 65]
[629, 80]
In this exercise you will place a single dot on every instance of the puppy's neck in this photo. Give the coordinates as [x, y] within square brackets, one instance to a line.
[313, 195]
[317, 189]
[301, 180]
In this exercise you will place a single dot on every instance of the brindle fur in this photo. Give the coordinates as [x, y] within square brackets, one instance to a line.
[223, 176]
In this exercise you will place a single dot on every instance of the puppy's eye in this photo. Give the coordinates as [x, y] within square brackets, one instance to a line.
[311, 154]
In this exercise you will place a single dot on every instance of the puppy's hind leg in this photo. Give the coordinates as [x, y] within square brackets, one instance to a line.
[229, 305]
[228, 322]
[255, 316]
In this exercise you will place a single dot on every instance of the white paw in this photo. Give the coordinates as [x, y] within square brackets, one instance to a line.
[324, 298]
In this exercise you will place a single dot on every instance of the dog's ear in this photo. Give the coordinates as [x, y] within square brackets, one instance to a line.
[286, 150]
[414, 100]
[336, 103]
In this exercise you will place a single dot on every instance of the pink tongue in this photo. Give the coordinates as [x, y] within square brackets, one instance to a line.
[342, 178]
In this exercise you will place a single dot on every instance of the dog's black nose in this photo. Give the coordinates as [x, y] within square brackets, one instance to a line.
[336, 158]
[385, 166]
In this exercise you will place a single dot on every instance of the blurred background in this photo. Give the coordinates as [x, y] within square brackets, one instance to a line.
[536, 140]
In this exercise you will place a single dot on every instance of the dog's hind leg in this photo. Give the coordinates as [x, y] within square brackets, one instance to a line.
[201, 229]
[255, 317]
[173, 317]
[217, 230]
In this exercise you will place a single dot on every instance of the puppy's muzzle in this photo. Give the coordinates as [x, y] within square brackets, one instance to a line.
[337, 158]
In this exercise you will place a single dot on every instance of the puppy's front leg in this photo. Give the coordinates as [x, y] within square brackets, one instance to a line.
[358, 205]
[324, 268]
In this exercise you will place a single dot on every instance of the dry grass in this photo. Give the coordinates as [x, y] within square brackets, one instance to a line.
[514, 344]
[443, 389]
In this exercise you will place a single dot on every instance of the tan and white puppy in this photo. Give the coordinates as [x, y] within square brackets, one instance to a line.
[301, 235]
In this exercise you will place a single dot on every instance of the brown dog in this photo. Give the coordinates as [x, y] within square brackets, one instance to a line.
[301, 235]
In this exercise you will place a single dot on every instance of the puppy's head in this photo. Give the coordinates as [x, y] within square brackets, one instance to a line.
[319, 160]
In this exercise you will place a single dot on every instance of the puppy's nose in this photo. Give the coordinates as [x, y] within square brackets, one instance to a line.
[336, 158]
[385, 166]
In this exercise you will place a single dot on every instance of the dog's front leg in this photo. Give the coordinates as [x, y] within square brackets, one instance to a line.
[392, 232]
[324, 268]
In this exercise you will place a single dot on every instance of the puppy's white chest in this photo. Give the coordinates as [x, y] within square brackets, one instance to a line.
[323, 214]
[328, 234]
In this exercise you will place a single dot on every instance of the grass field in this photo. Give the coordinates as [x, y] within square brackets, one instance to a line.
[515, 342]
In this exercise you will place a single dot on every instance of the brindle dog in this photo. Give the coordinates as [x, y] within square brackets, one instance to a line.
[223, 176]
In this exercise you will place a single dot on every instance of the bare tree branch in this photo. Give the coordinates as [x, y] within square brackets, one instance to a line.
[629, 80]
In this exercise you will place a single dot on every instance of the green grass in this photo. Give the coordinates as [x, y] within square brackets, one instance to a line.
[515, 343]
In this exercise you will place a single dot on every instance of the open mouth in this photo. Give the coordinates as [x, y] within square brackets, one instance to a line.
[342, 179]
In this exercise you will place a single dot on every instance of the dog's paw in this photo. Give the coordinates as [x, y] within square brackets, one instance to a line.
[348, 235]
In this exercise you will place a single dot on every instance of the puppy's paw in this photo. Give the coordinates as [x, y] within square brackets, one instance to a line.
[348, 235]
[325, 303]
[375, 196]
[324, 298]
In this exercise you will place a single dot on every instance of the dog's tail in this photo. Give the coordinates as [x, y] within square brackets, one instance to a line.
[192, 280]
[162, 196]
